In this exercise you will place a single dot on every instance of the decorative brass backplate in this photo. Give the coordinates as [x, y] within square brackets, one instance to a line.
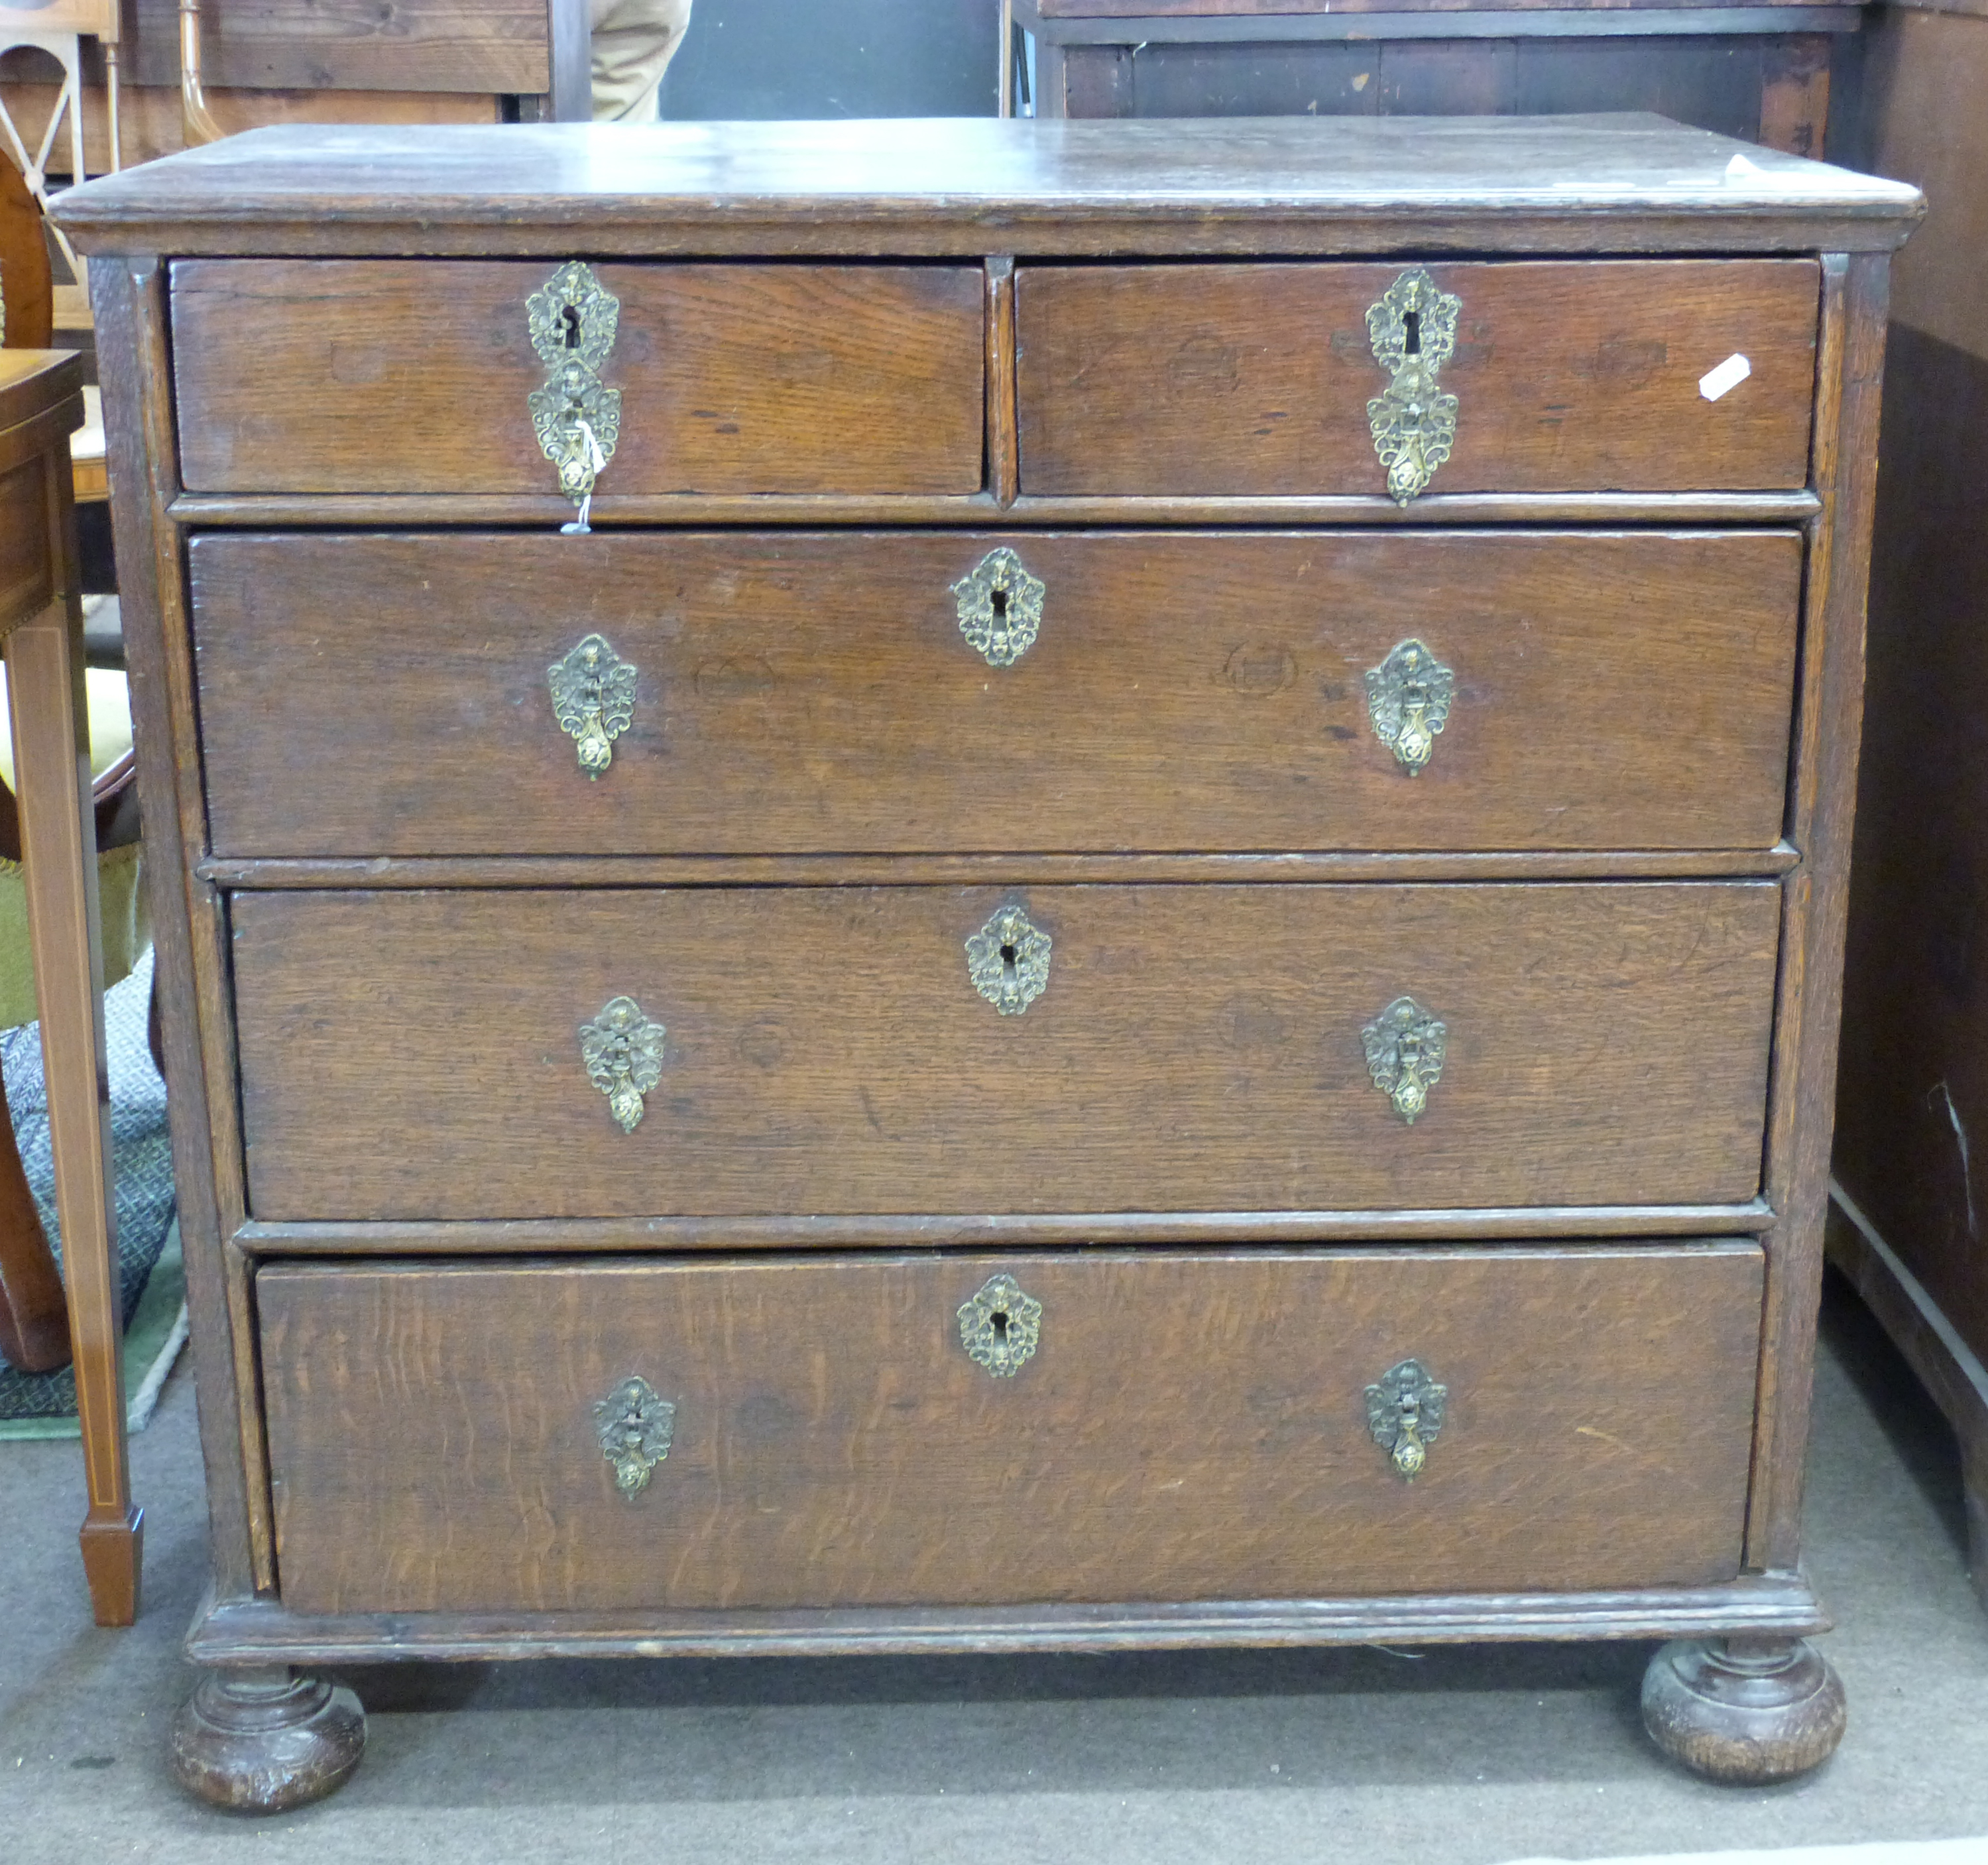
[624, 1053]
[1000, 608]
[1000, 1326]
[593, 699]
[635, 1427]
[1408, 699]
[1405, 1413]
[573, 319]
[1405, 1047]
[1009, 960]
[1413, 330]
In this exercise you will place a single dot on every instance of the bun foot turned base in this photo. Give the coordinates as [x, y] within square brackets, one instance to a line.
[264, 1741]
[1745, 1710]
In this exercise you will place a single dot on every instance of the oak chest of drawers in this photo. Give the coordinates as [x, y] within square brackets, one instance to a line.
[930, 886]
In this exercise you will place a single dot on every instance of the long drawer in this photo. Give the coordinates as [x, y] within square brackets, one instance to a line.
[817, 692]
[1161, 1426]
[1256, 378]
[845, 1049]
[416, 375]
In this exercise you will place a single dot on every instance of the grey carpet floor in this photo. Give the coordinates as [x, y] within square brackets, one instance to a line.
[1478, 1755]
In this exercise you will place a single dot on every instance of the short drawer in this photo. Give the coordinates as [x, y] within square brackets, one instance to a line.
[388, 375]
[1568, 376]
[798, 692]
[1183, 1427]
[420, 1055]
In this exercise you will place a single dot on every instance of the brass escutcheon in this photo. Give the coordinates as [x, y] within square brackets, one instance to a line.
[1404, 1046]
[1009, 960]
[572, 319]
[999, 1326]
[593, 699]
[635, 1427]
[624, 1053]
[1408, 699]
[1405, 1413]
[1413, 332]
[1000, 608]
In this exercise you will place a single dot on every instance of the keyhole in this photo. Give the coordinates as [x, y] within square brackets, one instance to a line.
[1412, 324]
[999, 600]
[999, 1322]
[571, 317]
[1007, 958]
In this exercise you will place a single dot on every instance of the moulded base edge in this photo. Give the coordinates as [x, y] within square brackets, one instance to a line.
[261, 1631]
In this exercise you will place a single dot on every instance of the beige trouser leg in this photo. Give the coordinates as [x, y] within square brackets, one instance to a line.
[633, 42]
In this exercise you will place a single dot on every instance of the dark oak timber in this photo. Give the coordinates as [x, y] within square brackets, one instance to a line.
[291, 377]
[1185, 380]
[856, 358]
[798, 691]
[249, 1633]
[826, 1051]
[835, 1445]
[967, 186]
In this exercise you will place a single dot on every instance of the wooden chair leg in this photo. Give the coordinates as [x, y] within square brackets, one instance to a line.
[51, 722]
[34, 1316]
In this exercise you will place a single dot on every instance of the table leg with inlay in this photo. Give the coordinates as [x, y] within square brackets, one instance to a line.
[43, 653]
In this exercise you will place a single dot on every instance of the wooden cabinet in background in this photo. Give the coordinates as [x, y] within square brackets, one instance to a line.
[1762, 72]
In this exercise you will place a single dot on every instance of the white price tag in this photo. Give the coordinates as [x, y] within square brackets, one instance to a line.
[1729, 375]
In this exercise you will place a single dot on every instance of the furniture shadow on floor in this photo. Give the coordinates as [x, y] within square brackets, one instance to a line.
[1905, 1411]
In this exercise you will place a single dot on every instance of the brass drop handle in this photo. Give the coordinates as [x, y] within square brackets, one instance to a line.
[1404, 1408]
[1413, 332]
[635, 1427]
[1408, 698]
[623, 1051]
[1405, 1045]
[593, 699]
[572, 319]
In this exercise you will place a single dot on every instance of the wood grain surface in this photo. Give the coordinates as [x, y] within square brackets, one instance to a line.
[798, 693]
[441, 46]
[1189, 1426]
[969, 187]
[1229, 379]
[323, 376]
[27, 585]
[1196, 1048]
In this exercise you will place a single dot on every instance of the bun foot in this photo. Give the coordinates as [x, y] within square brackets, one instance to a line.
[265, 1741]
[1748, 1711]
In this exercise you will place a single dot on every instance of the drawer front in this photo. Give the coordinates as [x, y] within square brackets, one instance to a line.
[387, 376]
[804, 692]
[829, 1050]
[1187, 1426]
[1568, 376]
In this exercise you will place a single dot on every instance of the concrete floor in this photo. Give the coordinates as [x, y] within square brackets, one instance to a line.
[1485, 1754]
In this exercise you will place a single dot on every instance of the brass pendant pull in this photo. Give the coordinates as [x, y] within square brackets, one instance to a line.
[635, 1427]
[1009, 961]
[1405, 1413]
[593, 699]
[573, 319]
[1404, 1046]
[1000, 608]
[999, 1326]
[1408, 699]
[624, 1053]
[1413, 331]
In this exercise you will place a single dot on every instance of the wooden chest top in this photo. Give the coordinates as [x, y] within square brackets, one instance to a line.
[1622, 183]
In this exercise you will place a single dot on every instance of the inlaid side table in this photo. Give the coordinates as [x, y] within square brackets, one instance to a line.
[41, 624]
